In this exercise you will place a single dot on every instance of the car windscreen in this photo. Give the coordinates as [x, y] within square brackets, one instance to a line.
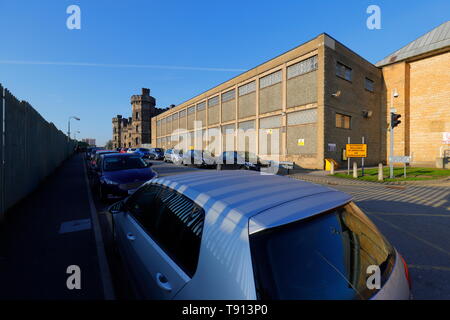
[157, 150]
[123, 163]
[144, 149]
[324, 257]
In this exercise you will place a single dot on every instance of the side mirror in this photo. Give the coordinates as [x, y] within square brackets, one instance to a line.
[116, 207]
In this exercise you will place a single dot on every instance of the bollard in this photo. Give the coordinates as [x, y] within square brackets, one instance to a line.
[219, 166]
[380, 172]
[332, 168]
[355, 170]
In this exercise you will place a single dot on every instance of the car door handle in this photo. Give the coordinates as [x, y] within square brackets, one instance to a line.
[162, 282]
[131, 236]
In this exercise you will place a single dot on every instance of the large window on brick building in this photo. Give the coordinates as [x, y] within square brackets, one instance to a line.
[343, 71]
[343, 121]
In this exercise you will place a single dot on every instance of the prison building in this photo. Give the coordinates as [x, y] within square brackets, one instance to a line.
[135, 130]
[301, 106]
[419, 75]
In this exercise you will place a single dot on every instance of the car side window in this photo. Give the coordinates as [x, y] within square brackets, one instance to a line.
[142, 206]
[175, 222]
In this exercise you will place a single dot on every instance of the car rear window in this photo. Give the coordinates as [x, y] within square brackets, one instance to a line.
[123, 163]
[325, 257]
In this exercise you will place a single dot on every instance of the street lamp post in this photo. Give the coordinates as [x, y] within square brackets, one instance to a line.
[68, 125]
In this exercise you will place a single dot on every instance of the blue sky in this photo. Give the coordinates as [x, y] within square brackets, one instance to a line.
[230, 35]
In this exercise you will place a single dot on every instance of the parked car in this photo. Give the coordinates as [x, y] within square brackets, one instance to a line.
[241, 235]
[199, 158]
[92, 151]
[240, 160]
[173, 155]
[156, 154]
[143, 152]
[118, 174]
[123, 150]
[92, 164]
[131, 150]
[168, 155]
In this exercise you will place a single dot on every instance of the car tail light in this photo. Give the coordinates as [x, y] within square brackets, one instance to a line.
[408, 277]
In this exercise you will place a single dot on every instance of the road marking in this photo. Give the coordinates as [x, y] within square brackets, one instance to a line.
[75, 225]
[406, 214]
[420, 267]
[105, 274]
[414, 236]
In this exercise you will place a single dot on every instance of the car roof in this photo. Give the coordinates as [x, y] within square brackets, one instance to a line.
[248, 194]
[120, 155]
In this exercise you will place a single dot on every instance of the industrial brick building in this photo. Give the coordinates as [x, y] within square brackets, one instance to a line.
[308, 103]
[312, 98]
[135, 131]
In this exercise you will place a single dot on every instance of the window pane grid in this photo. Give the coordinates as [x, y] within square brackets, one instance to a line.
[302, 67]
[201, 106]
[213, 101]
[227, 96]
[247, 88]
[270, 79]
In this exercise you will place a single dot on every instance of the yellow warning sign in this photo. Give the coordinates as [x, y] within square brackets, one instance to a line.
[356, 150]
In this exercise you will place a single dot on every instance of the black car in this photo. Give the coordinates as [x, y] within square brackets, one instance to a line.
[240, 160]
[119, 174]
[91, 152]
[156, 154]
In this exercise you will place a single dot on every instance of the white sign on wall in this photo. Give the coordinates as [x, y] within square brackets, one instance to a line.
[446, 137]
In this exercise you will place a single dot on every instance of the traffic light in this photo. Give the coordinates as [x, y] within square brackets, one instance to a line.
[394, 119]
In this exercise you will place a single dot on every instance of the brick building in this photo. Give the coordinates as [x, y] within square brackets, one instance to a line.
[420, 75]
[135, 131]
[315, 98]
[301, 106]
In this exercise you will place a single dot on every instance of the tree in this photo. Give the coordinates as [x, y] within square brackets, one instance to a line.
[109, 145]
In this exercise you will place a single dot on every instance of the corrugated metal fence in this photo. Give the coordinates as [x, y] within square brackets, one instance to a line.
[30, 149]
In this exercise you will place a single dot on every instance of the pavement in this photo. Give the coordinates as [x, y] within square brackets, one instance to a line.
[37, 245]
[50, 230]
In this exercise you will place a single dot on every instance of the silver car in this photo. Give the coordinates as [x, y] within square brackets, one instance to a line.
[244, 235]
[199, 158]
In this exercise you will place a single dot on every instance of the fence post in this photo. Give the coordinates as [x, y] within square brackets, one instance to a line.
[380, 172]
[355, 170]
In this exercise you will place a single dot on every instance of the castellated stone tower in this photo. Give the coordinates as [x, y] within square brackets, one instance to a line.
[143, 108]
[135, 131]
[117, 131]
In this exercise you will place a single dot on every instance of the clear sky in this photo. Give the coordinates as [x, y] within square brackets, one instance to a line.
[176, 48]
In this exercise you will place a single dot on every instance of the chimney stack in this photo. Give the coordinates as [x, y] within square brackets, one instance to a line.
[145, 92]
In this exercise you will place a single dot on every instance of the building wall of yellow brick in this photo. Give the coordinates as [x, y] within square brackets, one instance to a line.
[423, 88]
[429, 107]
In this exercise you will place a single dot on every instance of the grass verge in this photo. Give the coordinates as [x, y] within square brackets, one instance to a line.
[412, 174]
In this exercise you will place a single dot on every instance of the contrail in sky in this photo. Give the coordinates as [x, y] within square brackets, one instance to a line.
[105, 65]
